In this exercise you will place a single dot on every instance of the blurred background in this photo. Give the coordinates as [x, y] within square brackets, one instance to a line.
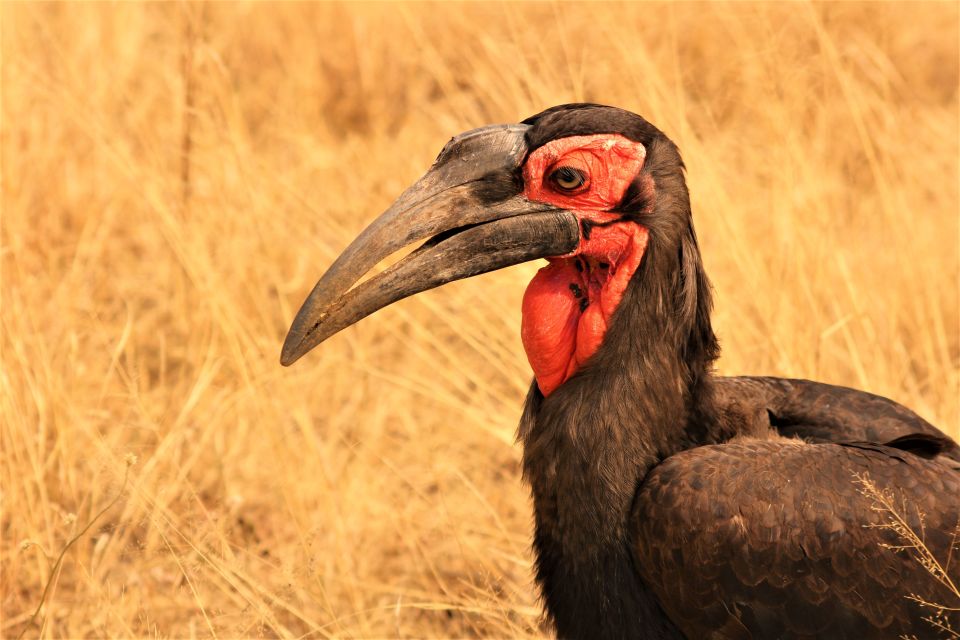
[177, 176]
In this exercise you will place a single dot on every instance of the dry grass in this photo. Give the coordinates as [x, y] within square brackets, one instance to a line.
[175, 178]
[896, 519]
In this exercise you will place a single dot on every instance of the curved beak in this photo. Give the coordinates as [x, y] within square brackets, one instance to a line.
[471, 207]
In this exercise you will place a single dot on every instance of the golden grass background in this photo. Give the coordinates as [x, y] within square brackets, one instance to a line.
[175, 178]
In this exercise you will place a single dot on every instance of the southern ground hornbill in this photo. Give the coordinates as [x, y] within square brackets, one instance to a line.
[669, 502]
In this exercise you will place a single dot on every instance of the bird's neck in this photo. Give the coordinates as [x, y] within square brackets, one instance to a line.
[589, 445]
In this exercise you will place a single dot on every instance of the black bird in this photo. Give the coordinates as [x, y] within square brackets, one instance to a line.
[669, 502]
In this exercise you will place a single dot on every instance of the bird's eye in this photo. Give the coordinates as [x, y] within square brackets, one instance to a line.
[568, 178]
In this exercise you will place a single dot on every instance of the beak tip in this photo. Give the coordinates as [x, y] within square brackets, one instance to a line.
[291, 351]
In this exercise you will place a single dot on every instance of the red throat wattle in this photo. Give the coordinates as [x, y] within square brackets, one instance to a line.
[568, 305]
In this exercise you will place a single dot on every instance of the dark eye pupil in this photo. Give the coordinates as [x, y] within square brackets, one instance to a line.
[567, 178]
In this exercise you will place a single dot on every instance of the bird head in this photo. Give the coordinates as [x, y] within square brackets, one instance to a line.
[593, 189]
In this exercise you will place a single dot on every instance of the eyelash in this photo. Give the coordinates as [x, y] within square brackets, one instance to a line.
[567, 174]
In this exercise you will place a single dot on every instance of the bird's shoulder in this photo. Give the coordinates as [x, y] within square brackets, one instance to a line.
[776, 537]
[818, 412]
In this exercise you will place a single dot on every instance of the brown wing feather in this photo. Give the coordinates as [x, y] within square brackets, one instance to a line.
[773, 539]
[819, 412]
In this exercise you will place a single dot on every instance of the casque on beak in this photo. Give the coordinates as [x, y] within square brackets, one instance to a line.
[471, 206]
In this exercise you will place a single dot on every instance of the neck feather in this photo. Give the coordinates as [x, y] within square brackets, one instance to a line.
[645, 395]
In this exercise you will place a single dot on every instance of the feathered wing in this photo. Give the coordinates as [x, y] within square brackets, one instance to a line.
[776, 539]
[818, 412]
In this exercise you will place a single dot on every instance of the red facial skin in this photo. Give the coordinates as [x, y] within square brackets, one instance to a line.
[568, 304]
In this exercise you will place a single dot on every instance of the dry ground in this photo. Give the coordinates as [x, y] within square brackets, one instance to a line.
[176, 177]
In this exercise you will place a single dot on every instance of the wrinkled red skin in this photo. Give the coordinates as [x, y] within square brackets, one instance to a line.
[568, 305]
